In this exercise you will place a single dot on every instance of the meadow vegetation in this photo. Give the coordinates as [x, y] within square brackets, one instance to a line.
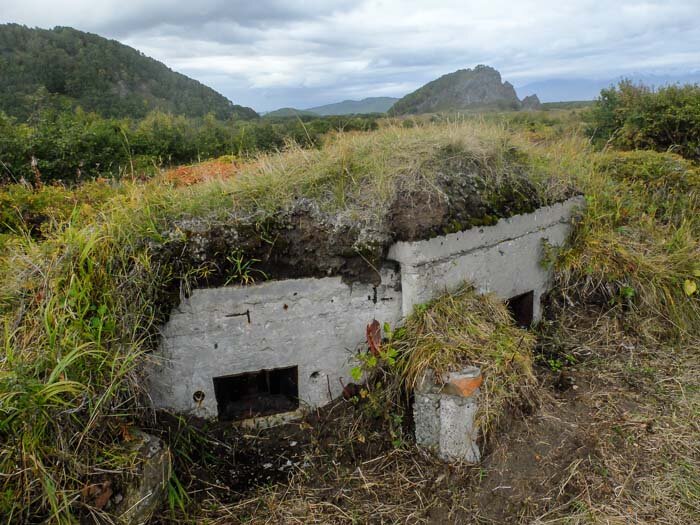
[82, 303]
[631, 116]
[74, 146]
[82, 296]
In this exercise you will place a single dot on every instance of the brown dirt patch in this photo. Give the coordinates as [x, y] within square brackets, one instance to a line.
[221, 168]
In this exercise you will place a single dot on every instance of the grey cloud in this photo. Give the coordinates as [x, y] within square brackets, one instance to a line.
[272, 53]
[194, 17]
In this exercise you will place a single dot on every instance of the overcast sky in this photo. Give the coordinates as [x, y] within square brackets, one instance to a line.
[272, 53]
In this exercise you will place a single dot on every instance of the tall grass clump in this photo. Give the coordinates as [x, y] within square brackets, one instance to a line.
[78, 312]
[466, 329]
[646, 238]
[637, 245]
[75, 327]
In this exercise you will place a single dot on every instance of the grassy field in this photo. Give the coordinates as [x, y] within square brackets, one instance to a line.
[603, 430]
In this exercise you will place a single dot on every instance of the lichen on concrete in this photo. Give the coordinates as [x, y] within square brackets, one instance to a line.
[145, 493]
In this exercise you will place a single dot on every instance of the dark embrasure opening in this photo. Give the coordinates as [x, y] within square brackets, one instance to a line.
[255, 394]
[521, 308]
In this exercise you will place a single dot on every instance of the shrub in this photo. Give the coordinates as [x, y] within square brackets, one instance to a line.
[74, 146]
[633, 116]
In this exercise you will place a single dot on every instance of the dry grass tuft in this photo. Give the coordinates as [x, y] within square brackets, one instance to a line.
[360, 172]
[464, 328]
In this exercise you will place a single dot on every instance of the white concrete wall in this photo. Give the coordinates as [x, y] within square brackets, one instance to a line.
[319, 331]
[504, 259]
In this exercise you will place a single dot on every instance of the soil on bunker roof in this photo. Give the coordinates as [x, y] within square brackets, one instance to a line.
[305, 240]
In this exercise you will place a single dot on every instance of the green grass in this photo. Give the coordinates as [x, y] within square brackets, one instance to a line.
[79, 308]
[637, 244]
[34, 211]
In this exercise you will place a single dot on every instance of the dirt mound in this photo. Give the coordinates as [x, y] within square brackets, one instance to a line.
[461, 198]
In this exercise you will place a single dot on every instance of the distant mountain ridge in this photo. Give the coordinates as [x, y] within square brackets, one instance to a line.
[346, 107]
[480, 87]
[289, 112]
[356, 107]
[71, 67]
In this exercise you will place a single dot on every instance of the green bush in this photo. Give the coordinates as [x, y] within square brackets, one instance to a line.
[75, 146]
[633, 116]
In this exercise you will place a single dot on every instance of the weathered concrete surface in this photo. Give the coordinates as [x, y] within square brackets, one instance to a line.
[458, 433]
[426, 415]
[504, 259]
[314, 324]
[446, 423]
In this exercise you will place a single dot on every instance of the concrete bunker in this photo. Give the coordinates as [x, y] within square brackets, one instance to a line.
[280, 347]
[505, 259]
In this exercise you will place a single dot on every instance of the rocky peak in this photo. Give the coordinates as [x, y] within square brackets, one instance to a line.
[531, 102]
[481, 87]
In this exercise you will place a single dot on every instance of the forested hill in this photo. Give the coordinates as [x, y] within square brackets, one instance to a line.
[67, 67]
[290, 112]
